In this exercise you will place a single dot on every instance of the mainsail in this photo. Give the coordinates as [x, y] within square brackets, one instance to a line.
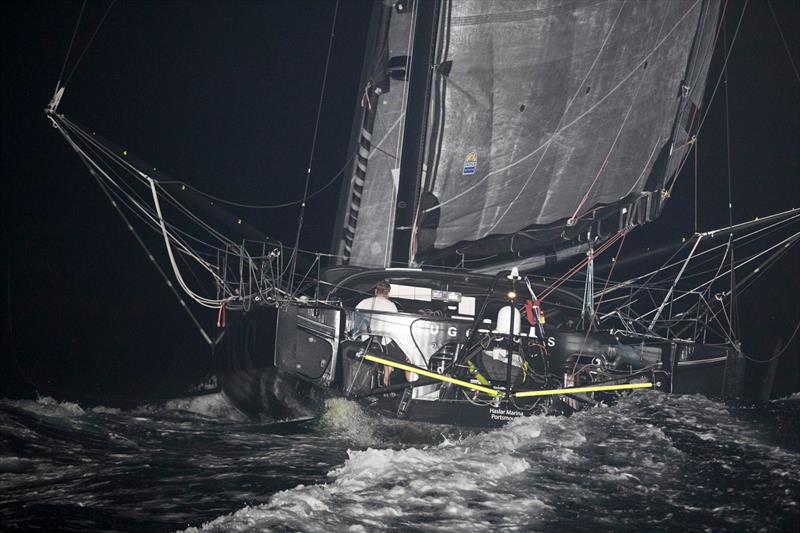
[549, 124]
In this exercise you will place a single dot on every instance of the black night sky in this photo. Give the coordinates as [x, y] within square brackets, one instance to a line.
[223, 95]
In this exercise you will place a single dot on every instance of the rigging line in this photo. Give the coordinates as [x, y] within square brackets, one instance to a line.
[197, 220]
[313, 143]
[141, 242]
[777, 355]
[185, 247]
[90, 42]
[696, 289]
[140, 210]
[728, 245]
[305, 276]
[597, 307]
[614, 143]
[576, 119]
[608, 156]
[724, 65]
[94, 165]
[608, 278]
[560, 281]
[785, 46]
[757, 271]
[727, 129]
[674, 284]
[101, 149]
[696, 111]
[704, 295]
[665, 266]
[121, 195]
[561, 120]
[716, 272]
[696, 148]
[205, 302]
[140, 176]
[760, 269]
[731, 315]
[697, 131]
[71, 42]
[722, 333]
[266, 206]
[113, 157]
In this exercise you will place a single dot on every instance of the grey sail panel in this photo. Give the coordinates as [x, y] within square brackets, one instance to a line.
[550, 110]
[368, 221]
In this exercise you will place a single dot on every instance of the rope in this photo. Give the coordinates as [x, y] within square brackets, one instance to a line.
[743, 263]
[112, 156]
[561, 120]
[93, 164]
[696, 150]
[574, 270]
[78, 62]
[783, 39]
[574, 216]
[724, 65]
[263, 206]
[777, 355]
[71, 42]
[293, 260]
[205, 302]
[89, 163]
[597, 307]
[731, 315]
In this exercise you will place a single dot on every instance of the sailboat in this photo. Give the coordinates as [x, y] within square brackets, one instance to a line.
[502, 152]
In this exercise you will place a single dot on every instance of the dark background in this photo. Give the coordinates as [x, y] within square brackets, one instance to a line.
[223, 95]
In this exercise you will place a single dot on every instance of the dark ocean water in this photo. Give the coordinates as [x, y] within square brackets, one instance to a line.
[651, 462]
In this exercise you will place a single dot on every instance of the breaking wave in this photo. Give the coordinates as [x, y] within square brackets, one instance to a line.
[653, 461]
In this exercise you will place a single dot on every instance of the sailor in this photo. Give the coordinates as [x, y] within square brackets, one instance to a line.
[381, 303]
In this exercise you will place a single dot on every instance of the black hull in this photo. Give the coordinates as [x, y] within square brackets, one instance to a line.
[314, 358]
[270, 395]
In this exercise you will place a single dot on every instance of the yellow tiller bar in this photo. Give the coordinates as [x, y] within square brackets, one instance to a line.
[434, 375]
[495, 392]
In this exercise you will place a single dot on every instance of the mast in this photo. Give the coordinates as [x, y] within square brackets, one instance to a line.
[415, 126]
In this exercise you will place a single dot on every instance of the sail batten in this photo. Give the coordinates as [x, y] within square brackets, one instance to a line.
[365, 235]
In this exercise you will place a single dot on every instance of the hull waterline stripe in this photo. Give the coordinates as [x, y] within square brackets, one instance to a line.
[434, 375]
[572, 390]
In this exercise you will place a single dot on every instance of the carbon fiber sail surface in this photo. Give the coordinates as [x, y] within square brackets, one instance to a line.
[548, 121]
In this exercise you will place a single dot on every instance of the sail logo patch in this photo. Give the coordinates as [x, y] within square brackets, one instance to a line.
[470, 163]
